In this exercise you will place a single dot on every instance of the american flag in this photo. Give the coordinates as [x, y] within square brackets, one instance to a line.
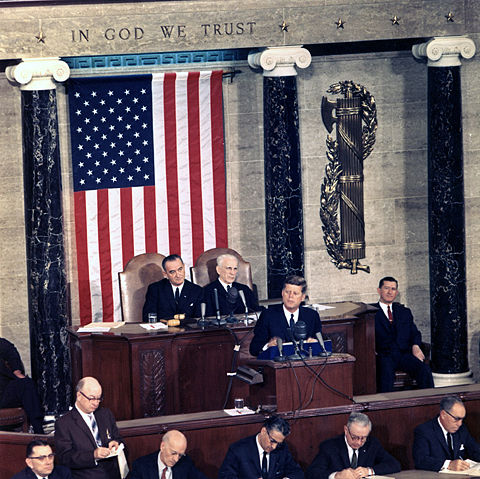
[148, 174]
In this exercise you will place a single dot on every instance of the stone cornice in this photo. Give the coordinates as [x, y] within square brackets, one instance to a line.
[280, 61]
[445, 51]
[38, 73]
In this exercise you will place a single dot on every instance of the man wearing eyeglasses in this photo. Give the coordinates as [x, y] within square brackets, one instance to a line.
[444, 442]
[169, 463]
[352, 455]
[263, 456]
[87, 435]
[40, 463]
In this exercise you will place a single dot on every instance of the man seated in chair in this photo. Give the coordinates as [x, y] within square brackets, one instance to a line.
[397, 340]
[229, 300]
[173, 294]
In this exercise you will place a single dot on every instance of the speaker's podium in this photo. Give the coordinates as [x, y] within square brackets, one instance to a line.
[304, 384]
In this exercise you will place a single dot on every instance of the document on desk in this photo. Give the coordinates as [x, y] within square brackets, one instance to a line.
[474, 469]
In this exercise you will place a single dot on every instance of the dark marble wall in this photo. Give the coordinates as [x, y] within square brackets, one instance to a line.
[283, 183]
[446, 222]
[50, 358]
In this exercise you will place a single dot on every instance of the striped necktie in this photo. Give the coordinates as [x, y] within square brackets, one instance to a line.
[96, 434]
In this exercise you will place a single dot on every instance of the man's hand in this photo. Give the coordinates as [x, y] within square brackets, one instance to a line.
[417, 352]
[18, 373]
[310, 340]
[361, 472]
[346, 474]
[112, 445]
[272, 342]
[101, 452]
[458, 465]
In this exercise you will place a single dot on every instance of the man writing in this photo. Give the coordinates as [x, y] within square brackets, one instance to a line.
[169, 463]
[278, 321]
[264, 455]
[40, 463]
[227, 268]
[173, 294]
[397, 340]
[444, 442]
[87, 435]
[352, 455]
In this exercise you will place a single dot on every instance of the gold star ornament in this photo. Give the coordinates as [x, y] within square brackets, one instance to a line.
[449, 16]
[40, 37]
[340, 24]
[284, 26]
[395, 20]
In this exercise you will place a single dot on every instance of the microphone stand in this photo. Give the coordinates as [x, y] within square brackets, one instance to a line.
[299, 354]
[281, 358]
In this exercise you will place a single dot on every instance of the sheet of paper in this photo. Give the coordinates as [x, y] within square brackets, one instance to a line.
[322, 307]
[93, 329]
[239, 412]
[473, 471]
[116, 452]
[154, 326]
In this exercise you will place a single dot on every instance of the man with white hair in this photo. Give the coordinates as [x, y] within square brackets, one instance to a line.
[352, 455]
[169, 463]
[229, 301]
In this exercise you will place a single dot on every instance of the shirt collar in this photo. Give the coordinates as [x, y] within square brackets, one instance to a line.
[288, 314]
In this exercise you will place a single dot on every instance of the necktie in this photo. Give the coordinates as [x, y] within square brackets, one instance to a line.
[164, 473]
[450, 444]
[96, 434]
[390, 315]
[354, 461]
[292, 322]
[228, 288]
[264, 466]
[177, 295]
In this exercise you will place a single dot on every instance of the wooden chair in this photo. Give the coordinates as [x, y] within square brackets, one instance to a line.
[204, 271]
[13, 419]
[141, 271]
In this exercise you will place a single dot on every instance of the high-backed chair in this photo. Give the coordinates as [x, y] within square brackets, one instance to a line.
[204, 271]
[13, 419]
[141, 271]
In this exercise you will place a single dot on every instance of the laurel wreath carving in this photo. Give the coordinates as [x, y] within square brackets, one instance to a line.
[330, 190]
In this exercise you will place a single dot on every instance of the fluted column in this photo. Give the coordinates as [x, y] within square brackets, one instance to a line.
[446, 211]
[283, 178]
[46, 274]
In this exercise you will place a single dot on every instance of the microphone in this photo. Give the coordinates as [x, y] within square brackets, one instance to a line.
[242, 295]
[232, 298]
[323, 353]
[280, 357]
[202, 322]
[299, 333]
[220, 322]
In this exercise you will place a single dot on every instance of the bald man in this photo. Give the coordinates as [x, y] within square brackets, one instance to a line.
[85, 436]
[169, 463]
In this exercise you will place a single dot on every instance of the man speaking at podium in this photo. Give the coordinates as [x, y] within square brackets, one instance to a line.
[173, 294]
[278, 321]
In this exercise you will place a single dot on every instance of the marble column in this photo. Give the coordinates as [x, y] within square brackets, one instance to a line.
[446, 208]
[46, 275]
[283, 178]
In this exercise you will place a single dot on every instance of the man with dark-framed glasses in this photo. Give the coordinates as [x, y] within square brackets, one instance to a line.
[352, 455]
[87, 435]
[40, 463]
[444, 442]
[264, 455]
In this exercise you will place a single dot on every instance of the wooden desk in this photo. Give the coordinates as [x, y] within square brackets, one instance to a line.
[417, 474]
[184, 370]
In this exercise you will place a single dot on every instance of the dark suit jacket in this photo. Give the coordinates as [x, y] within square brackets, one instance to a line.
[396, 338]
[430, 448]
[273, 323]
[146, 467]
[9, 361]
[159, 299]
[333, 457]
[242, 462]
[74, 445]
[225, 308]
[59, 472]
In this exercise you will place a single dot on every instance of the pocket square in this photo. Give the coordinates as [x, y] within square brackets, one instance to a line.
[462, 447]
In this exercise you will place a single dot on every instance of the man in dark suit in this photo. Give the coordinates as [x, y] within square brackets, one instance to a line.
[444, 442]
[170, 463]
[229, 301]
[16, 389]
[264, 455]
[352, 455]
[278, 321]
[173, 294]
[87, 435]
[40, 463]
[397, 340]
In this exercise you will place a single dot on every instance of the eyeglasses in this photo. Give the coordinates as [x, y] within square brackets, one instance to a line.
[273, 441]
[455, 418]
[43, 458]
[356, 438]
[100, 399]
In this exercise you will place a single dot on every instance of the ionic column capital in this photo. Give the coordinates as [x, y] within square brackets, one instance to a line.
[445, 51]
[280, 61]
[38, 73]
